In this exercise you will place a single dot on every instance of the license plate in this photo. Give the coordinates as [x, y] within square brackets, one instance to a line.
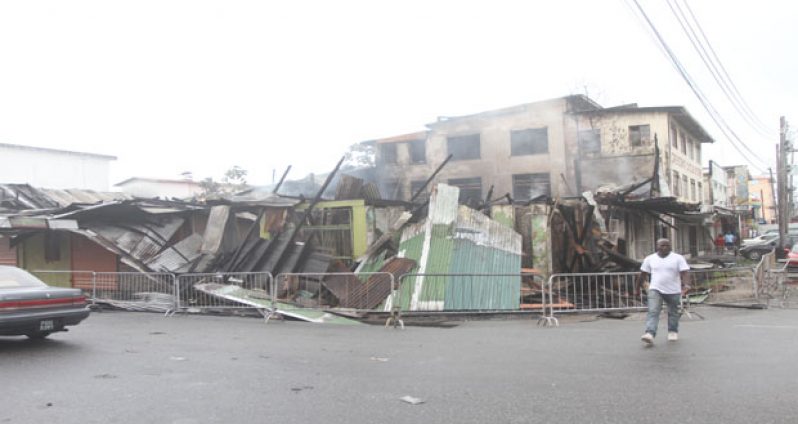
[46, 325]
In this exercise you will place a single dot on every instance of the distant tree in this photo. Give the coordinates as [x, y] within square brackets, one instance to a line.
[360, 155]
[233, 181]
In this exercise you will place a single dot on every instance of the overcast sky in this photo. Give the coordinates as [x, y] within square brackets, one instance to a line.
[173, 86]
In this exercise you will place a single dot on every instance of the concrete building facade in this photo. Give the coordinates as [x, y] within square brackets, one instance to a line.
[56, 169]
[162, 188]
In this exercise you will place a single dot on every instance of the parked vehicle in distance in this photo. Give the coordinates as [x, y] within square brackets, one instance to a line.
[792, 257]
[30, 307]
[763, 239]
[755, 251]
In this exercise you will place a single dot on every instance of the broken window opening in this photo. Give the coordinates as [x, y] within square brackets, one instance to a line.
[463, 147]
[683, 147]
[530, 186]
[388, 153]
[674, 139]
[639, 135]
[470, 189]
[418, 151]
[590, 141]
[532, 141]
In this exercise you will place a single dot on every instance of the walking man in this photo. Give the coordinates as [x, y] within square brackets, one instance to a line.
[669, 280]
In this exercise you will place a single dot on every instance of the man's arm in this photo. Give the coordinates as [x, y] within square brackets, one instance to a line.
[685, 276]
[639, 281]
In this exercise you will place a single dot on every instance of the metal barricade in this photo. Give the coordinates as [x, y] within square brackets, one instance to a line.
[780, 286]
[596, 292]
[137, 291]
[311, 296]
[617, 291]
[225, 291]
[723, 285]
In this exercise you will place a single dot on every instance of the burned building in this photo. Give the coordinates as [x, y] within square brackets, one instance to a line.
[563, 148]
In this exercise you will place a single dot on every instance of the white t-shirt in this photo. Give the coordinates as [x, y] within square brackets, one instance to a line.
[665, 272]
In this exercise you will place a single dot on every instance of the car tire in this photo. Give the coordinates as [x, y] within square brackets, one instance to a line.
[39, 336]
[754, 255]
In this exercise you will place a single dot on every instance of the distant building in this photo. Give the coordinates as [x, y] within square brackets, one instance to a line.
[161, 188]
[716, 189]
[51, 168]
[761, 199]
[738, 178]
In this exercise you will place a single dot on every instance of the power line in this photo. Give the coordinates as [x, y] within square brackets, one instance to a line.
[713, 64]
[713, 113]
[726, 74]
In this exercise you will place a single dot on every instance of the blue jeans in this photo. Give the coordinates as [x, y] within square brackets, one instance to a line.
[655, 299]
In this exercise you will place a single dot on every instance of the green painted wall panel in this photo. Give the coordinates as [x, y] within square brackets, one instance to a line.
[33, 259]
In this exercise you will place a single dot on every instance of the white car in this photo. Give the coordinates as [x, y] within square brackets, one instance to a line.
[763, 239]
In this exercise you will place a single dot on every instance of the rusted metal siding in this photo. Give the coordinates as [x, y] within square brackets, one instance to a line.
[89, 256]
[8, 254]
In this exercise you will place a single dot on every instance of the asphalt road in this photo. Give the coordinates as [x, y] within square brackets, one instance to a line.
[737, 366]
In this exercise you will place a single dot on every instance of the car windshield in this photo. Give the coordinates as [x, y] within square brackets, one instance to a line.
[12, 278]
[795, 248]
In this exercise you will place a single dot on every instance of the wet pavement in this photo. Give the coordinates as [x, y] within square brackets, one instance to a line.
[736, 366]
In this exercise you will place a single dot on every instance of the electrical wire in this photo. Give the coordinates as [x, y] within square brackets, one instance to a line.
[710, 109]
[699, 47]
[725, 76]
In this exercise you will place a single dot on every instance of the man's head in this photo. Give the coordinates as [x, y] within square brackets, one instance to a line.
[663, 247]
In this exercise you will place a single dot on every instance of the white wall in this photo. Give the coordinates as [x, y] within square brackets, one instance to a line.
[54, 169]
[160, 188]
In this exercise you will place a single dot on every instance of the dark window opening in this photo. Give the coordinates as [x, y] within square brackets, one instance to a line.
[530, 186]
[533, 141]
[388, 153]
[674, 140]
[470, 190]
[418, 151]
[639, 135]
[52, 246]
[463, 147]
[590, 141]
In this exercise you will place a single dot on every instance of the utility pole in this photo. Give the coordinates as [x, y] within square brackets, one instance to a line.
[781, 171]
[774, 212]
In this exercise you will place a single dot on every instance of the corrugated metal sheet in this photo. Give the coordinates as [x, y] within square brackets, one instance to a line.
[443, 204]
[455, 240]
[141, 242]
[175, 257]
[157, 237]
[348, 188]
[23, 196]
[378, 286]
[410, 247]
